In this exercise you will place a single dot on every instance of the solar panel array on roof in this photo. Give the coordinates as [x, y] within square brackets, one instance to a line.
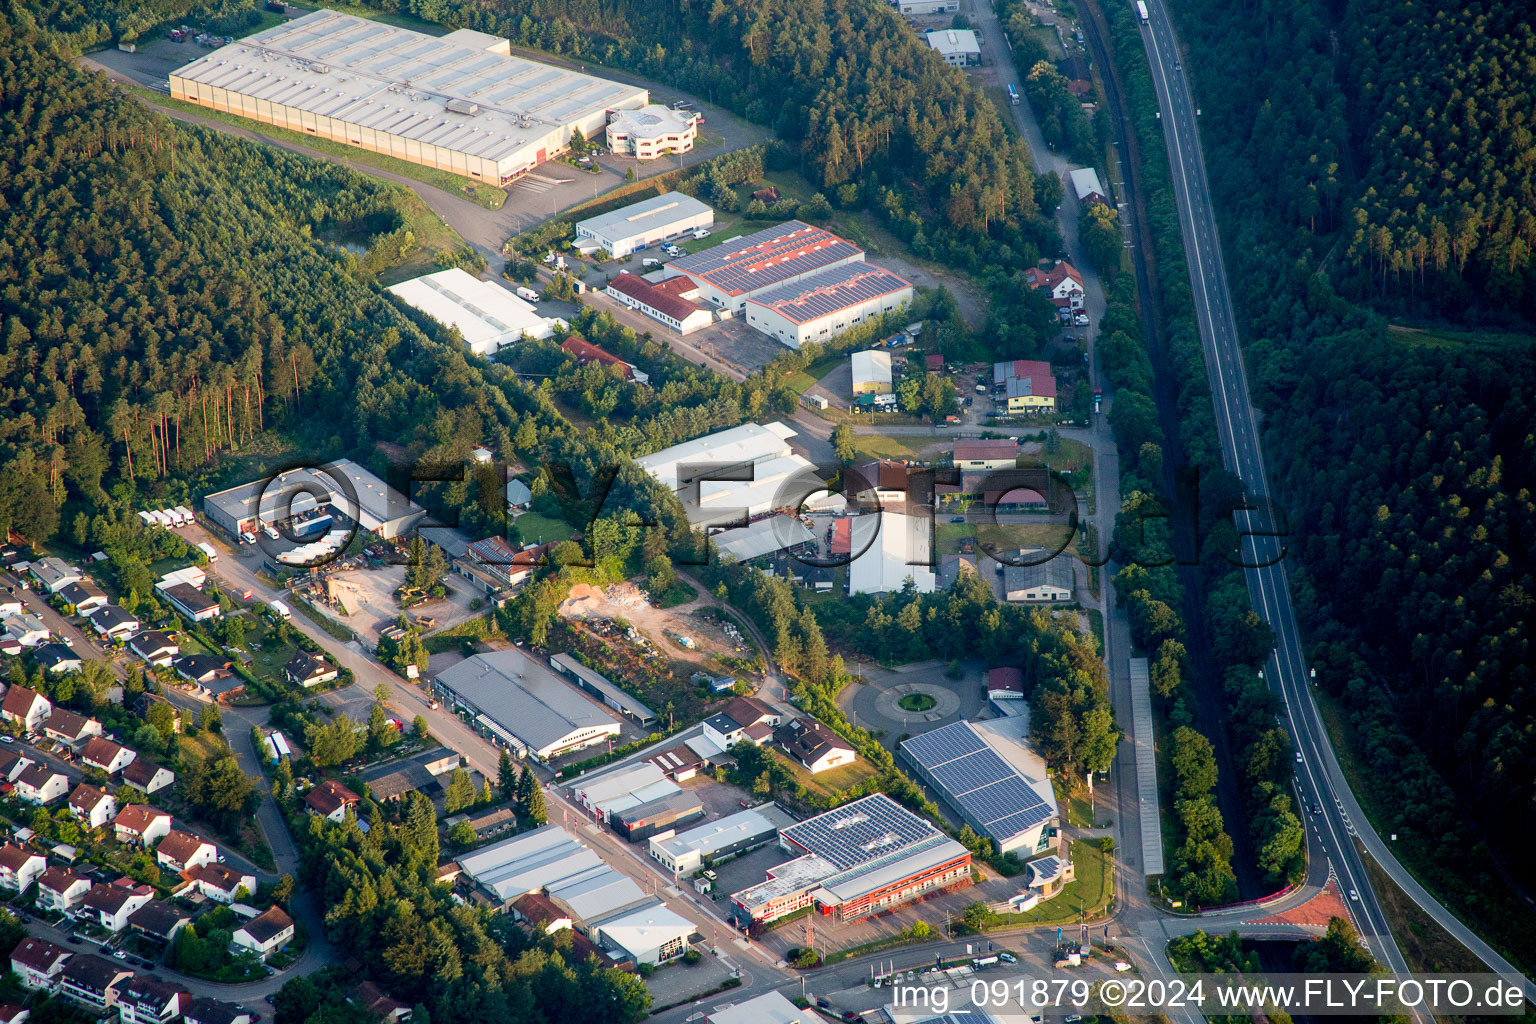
[865, 830]
[976, 779]
[825, 293]
[766, 257]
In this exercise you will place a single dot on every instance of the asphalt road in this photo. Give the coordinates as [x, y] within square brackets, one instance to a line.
[1320, 777]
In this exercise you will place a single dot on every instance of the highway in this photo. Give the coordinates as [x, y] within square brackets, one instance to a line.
[1321, 780]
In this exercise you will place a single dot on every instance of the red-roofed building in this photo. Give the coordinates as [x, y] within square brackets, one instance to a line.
[740, 268]
[586, 352]
[1005, 683]
[330, 800]
[670, 303]
[1062, 283]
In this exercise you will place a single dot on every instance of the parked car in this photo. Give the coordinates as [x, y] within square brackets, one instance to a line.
[702, 233]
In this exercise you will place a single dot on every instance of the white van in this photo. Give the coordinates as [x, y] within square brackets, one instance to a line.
[528, 293]
[281, 610]
[649, 262]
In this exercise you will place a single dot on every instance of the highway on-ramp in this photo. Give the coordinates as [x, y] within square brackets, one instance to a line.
[1320, 779]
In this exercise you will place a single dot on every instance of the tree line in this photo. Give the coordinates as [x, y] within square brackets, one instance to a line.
[1401, 456]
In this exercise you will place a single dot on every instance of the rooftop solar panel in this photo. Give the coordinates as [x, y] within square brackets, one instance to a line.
[930, 749]
[765, 258]
[971, 772]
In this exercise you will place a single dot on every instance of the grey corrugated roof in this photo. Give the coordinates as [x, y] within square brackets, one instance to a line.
[830, 291]
[523, 697]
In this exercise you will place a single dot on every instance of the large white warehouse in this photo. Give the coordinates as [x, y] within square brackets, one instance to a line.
[825, 305]
[452, 103]
[486, 314]
[735, 475]
[634, 227]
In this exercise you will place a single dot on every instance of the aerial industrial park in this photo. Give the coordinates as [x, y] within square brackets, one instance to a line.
[761, 514]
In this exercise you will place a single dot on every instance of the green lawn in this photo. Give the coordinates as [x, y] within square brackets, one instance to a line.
[536, 529]
[1435, 337]
[1085, 896]
[268, 655]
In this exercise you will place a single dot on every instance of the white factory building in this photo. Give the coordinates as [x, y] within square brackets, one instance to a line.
[958, 46]
[871, 373]
[758, 470]
[825, 304]
[652, 131]
[903, 548]
[737, 269]
[927, 6]
[487, 315]
[457, 102]
[643, 224]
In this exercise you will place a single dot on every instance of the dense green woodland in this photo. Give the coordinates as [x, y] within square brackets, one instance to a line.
[1405, 459]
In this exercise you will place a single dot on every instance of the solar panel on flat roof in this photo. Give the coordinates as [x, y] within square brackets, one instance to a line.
[971, 772]
[930, 749]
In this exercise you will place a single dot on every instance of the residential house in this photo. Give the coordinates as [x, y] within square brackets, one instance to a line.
[20, 867]
[744, 718]
[877, 484]
[266, 933]
[155, 646]
[306, 670]
[203, 1010]
[56, 659]
[201, 669]
[84, 596]
[61, 889]
[37, 963]
[39, 784]
[114, 623]
[69, 729]
[1028, 386]
[106, 756]
[181, 850]
[330, 800]
[146, 776]
[220, 883]
[25, 630]
[93, 806]
[149, 1000]
[519, 495]
[54, 574]
[1062, 284]
[12, 764]
[141, 824]
[92, 981]
[378, 1004]
[111, 905]
[11, 606]
[159, 919]
[814, 745]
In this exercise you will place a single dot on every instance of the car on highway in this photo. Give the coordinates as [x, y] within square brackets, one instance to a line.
[1299, 759]
[1354, 896]
[1317, 808]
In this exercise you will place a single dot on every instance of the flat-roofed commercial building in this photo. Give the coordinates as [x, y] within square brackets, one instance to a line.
[603, 688]
[994, 453]
[871, 373]
[487, 315]
[825, 304]
[902, 549]
[522, 705]
[859, 859]
[453, 102]
[641, 225]
[746, 830]
[730, 273]
[958, 47]
[927, 6]
[343, 485]
[651, 131]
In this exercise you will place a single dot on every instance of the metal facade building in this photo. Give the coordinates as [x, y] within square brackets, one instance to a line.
[987, 792]
[730, 273]
[523, 705]
[343, 485]
[486, 315]
[451, 103]
[643, 224]
[823, 305]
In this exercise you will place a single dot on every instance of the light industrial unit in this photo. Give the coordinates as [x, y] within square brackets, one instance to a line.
[342, 485]
[730, 273]
[641, 225]
[486, 315]
[825, 304]
[521, 704]
[732, 476]
[454, 103]
[859, 859]
[988, 792]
